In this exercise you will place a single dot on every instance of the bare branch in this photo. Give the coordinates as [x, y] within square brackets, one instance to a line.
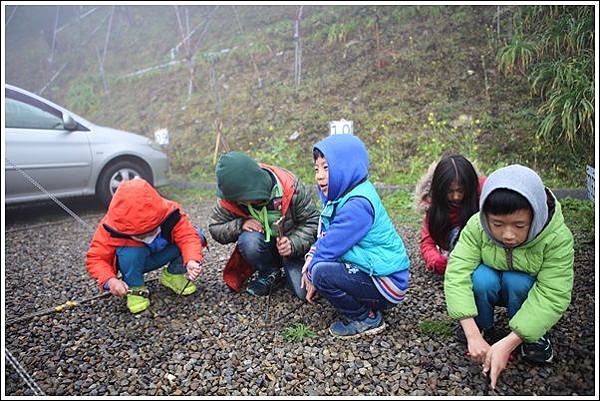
[82, 45]
[256, 71]
[11, 15]
[54, 34]
[53, 78]
[112, 12]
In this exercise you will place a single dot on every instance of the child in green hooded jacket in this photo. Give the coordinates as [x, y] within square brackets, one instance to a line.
[271, 217]
[517, 252]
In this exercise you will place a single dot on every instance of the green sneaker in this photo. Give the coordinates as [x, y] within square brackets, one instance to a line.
[137, 299]
[177, 282]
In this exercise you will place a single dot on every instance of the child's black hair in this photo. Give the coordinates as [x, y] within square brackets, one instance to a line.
[451, 168]
[503, 201]
[317, 153]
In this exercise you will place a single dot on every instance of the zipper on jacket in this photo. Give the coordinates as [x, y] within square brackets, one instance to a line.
[509, 258]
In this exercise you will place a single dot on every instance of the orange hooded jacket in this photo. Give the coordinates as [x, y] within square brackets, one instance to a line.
[137, 208]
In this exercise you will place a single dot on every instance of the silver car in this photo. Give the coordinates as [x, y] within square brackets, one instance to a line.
[69, 156]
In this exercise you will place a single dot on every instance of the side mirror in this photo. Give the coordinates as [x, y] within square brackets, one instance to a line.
[68, 122]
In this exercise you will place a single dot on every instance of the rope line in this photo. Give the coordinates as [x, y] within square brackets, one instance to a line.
[33, 386]
[52, 223]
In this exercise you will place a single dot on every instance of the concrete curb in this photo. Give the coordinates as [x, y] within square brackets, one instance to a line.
[561, 193]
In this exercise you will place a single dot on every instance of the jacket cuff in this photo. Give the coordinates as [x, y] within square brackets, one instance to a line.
[104, 285]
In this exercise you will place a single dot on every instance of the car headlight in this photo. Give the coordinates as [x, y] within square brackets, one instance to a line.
[154, 145]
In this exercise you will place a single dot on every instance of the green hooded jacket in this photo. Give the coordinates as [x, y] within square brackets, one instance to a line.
[300, 219]
[547, 255]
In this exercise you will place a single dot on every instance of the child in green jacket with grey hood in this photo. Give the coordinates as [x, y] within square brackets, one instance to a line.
[516, 252]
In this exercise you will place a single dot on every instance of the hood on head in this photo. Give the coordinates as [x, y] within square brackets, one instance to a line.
[524, 181]
[348, 163]
[136, 208]
[240, 178]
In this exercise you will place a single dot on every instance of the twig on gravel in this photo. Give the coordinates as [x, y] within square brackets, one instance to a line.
[72, 304]
[61, 307]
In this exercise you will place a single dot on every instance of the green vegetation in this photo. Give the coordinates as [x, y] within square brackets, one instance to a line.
[436, 328]
[421, 95]
[580, 218]
[84, 95]
[297, 333]
[554, 49]
[400, 206]
[338, 33]
[187, 195]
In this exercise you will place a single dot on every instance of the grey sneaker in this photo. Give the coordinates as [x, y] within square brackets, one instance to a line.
[372, 324]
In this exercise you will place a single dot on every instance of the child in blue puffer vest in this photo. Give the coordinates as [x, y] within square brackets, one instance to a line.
[359, 262]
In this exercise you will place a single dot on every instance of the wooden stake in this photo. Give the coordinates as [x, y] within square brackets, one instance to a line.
[298, 49]
[485, 78]
[218, 127]
[101, 67]
[498, 22]
[379, 62]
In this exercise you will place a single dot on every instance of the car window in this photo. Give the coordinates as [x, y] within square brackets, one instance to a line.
[22, 115]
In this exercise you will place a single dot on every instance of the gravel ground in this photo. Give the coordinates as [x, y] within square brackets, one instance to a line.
[216, 342]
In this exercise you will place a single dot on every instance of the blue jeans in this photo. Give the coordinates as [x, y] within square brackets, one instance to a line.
[492, 287]
[263, 256]
[350, 290]
[134, 261]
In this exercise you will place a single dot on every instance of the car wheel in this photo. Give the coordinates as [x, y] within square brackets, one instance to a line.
[115, 174]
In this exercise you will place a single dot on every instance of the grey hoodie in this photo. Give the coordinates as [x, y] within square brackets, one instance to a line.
[524, 181]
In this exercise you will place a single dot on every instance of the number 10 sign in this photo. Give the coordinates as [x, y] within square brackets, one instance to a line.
[341, 127]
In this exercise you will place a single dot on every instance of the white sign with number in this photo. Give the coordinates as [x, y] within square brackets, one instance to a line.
[162, 136]
[341, 127]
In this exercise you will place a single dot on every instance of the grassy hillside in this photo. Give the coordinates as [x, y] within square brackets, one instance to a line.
[431, 87]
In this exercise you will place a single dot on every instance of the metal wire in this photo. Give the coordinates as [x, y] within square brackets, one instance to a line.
[52, 223]
[33, 386]
[59, 203]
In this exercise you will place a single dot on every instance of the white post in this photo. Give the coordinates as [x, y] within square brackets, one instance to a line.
[341, 127]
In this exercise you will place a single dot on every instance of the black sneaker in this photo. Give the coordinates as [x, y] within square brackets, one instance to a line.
[538, 352]
[264, 284]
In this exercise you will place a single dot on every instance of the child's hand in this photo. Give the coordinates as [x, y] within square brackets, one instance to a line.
[311, 291]
[498, 356]
[252, 225]
[284, 246]
[307, 261]
[117, 287]
[193, 270]
[478, 348]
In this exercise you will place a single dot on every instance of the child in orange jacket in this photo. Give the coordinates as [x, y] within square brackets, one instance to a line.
[141, 232]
